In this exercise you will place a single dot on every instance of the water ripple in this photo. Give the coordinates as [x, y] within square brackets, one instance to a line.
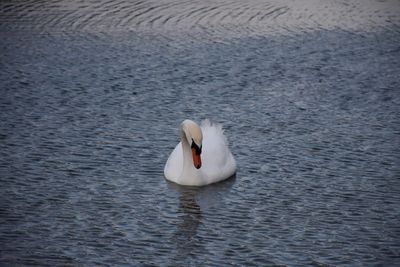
[92, 93]
[221, 17]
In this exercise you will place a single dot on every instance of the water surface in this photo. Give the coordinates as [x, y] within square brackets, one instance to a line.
[92, 97]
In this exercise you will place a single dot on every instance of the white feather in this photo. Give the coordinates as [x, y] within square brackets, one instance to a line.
[217, 161]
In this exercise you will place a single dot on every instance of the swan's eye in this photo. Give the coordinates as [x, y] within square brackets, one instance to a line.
[196, 147]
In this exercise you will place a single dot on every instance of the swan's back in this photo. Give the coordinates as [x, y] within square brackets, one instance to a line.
[218, 161]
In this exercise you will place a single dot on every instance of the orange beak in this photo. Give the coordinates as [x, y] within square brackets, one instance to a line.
[196, 158]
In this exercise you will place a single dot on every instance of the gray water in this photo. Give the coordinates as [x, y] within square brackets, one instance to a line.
[92, 94]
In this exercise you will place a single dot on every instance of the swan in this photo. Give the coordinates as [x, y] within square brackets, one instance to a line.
[202, 157]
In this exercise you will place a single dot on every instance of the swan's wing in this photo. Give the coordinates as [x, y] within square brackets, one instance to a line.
[174, 165]
[217, 160]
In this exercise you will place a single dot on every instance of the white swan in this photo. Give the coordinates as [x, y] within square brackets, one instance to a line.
[202, 157]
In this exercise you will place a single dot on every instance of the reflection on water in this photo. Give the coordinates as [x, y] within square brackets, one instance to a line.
[186, 239]
[190, 245]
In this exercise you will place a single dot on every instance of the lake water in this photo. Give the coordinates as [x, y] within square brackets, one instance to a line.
[93, 92]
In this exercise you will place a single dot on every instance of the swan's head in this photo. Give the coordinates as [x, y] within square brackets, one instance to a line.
[194, 137]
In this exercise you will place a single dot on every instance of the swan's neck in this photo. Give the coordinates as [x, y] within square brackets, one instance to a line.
[189, 172]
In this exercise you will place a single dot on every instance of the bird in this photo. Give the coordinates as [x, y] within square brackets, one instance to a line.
[202, 156]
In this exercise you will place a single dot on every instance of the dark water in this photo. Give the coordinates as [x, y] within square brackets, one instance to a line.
[89, 109]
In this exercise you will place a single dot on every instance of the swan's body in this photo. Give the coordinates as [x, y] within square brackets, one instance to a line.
[216, 164]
